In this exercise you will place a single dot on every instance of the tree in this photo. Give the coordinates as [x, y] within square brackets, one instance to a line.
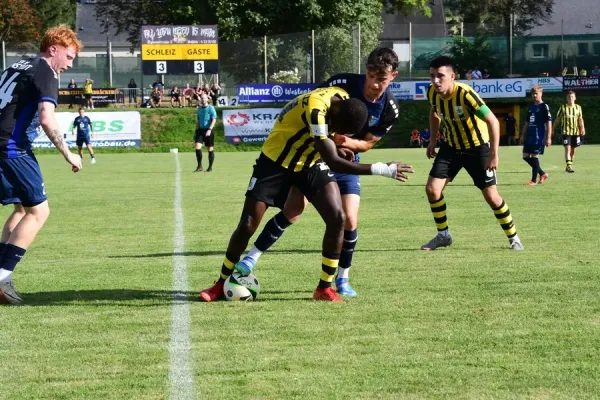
[471, 53]
[19, 25]
[55, 12]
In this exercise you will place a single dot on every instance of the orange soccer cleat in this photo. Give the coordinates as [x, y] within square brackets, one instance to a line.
[327, 294]
[213, 293]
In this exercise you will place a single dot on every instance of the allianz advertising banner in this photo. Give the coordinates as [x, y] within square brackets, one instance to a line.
[281, 93]
[111, 129]
[249, 125]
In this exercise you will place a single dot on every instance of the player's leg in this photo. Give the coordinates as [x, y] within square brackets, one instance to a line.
[537, 162]
[295, 203]
[79, 143]
[91, 151]
[351, 205]
[446, 166]
[209, 141]
[198, 147]
[91, 103]
[528, 157]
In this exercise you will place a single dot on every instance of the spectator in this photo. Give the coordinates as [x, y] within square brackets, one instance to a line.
[425, 137]
[215, 92]
[156, 97]
[511, 129]
[87, 93]
[469, 75]
[158, 84]
[132, 91]
[582, 72]
[415, 138]
[596, 72]
[206, 89]
[188, 95]
[476, 73]
[486, 74]
[71, 85]
[175, 97]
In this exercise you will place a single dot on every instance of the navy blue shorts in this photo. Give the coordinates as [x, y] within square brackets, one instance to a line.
[349, 184]
[533, 148]
[21, 181]
[81, 140]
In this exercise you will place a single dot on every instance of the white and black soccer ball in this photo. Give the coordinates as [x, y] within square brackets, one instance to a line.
[240, 287]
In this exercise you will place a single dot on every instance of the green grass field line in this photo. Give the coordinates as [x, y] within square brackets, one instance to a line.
[474, 321]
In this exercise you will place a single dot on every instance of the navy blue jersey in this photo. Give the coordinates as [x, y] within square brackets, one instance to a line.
[83, 125]
[382, 113]
[22, 86]
[537, 116]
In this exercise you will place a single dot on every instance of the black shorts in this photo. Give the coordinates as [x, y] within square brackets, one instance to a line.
[87, 96]
[572, 140]
[200, 137]
[271, 183]
[449, 162]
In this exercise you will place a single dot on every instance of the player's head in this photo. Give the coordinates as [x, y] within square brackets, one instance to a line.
[571, 97]
[59, 47]
[382, 68]
[203, 99]
[441, 73]
[347, 117]
[536, 93]
[81, 111]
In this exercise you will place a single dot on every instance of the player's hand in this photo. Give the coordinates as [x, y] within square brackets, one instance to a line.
[401, 170]
[492, 162]
[346, 153]
[208, 132]
[522, 140]
[548, 142]
[75, 161]
[431, 153]
[339, 139]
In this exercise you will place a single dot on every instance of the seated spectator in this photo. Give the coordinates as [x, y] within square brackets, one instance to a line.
[175, 97]
[156, 97]
[486, 74]
[425, 137]
[188, 95]
[415, 138]
[158, 84]
[476, 73]
[197, 93]
[469, 75]
[596, 72]
[511, 129]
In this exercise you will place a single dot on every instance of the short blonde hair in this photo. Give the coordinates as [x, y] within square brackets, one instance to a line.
[60, 35]
[537, 89]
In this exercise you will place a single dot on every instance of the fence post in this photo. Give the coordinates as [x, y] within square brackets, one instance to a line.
[510, 45]
[359, 61]
[313, 56]
[562, 45]
[410, 50]
[110, 71]
[3, 55]
[265, 51]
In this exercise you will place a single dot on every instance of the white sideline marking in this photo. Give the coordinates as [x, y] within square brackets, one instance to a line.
[181, 376]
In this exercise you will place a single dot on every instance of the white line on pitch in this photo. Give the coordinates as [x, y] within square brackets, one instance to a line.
[181, 377]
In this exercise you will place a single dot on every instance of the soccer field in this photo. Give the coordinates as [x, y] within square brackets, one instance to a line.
[472, 321]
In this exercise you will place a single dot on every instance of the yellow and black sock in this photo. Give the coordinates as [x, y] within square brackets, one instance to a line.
[329, 264]
[438, 209]
[503, 216]
[569, 164]
[226, 269]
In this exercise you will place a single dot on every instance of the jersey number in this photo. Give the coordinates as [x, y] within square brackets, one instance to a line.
[7, 87]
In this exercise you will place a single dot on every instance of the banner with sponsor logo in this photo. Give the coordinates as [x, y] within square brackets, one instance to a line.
[249, 125]
[486, 88]
[101, 97]
[281, 93]
[548, 84]
[580, 83]
[111, 129]
[403, 90]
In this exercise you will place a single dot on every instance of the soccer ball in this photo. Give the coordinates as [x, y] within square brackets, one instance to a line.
[239, 287]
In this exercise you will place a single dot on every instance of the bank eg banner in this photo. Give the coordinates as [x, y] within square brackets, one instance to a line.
[277, 93]
[111, 129]
[486, 88]
[251, 125]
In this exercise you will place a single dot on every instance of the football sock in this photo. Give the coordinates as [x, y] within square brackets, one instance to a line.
[536, 162]
[199, 159]
[254, 253]
[350, 239]
[10, 258]
[211, 159]
[226, 268]
[272, 232]
[503, 216]
[438, 209]
[529, 160]
[92, 155]
[329, 264]
[569, 163]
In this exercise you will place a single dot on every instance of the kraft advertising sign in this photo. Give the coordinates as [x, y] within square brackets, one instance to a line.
[111, 129]
[580, 83]
[251, 125]
[278, 93]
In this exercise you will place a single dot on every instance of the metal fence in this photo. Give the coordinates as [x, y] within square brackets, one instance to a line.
[315, 55]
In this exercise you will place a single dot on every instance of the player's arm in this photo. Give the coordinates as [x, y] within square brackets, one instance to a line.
[483, 112]
[581, 124]
[74, 127]
[357, 145]
[434, 128]
[50, 125]
[91, 127]
[548, 138]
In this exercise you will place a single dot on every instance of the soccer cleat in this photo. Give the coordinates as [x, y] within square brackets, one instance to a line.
[245, 266]
[531, 183]
[93, 161]
[209, 170]
[213, 293]
[199, 169]
[438, 241]
[342, 286]
[569, 170]
[8, 294]
[516, 245]
[326, 294]
[543, 179]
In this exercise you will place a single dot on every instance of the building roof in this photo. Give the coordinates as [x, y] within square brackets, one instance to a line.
[580, 17]
[89, 29]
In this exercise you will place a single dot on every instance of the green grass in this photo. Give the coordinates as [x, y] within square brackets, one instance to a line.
[473, 321]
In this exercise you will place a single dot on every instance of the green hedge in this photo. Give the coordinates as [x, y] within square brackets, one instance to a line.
[165, 128]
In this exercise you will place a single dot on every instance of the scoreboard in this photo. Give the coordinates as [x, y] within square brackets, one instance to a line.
[181, 49]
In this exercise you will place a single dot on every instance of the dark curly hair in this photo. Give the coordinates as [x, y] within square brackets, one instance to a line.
[382, 59]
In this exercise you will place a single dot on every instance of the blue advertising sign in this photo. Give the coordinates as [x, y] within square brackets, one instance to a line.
[277, 93]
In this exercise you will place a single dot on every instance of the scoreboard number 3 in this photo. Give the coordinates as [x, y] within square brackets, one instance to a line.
[161, 67]
[198, 67]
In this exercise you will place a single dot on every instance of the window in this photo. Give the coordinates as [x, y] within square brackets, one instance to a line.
[596, 48]
[583, 49]
[540, 50]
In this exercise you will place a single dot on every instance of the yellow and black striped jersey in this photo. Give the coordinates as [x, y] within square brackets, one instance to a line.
[569, 116]
[461, 116]
[302, 121]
